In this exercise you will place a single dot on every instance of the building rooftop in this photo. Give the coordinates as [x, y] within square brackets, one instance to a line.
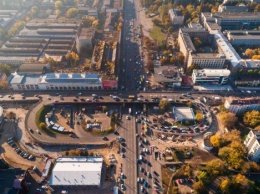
[76, 171]
[227, 49]
[208, 55]
[32, 67]
[239, 101]
[183, 113]
[75, 77]
[167, 74]
[211, 72]
[87, 33]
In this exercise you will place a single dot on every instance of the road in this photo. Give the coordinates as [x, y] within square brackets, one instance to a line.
[129, 162]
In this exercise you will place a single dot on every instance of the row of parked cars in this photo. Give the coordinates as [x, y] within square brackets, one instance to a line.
[18, 150]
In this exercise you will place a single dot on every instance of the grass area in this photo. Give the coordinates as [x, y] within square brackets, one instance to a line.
[157, 34]
[40, 118]
[166, 176]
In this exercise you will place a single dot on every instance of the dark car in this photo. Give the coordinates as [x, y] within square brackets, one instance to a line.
[105, 138]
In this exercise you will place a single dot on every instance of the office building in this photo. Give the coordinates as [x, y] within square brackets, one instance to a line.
[210, 76]
[249, 38]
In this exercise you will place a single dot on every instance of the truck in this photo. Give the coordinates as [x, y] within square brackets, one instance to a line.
[129, 110]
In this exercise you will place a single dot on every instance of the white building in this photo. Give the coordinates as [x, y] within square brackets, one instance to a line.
[176, 17]
[183, 114]
[56, 81]
[210, 76]
[77, 171]
[240, 106]
[253, 146]
[207, 60]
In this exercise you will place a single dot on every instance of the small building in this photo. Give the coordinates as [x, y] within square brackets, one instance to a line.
[169, 76]
[183, 114]
[206, 144]
[77, 171]
[210, 76]
[110, 84]
[253, 145]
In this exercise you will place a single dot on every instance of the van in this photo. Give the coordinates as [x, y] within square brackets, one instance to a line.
[140, 157]
[64, 192]
[94, 95]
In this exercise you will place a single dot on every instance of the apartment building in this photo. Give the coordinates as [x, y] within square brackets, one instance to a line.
[207, 60]
[252, 143]
[240, 106]
[176, 16]
[210, 76]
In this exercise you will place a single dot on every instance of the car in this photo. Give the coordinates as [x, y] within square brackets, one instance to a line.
[127, 117]
[10, 142]
[75, 100]
[142, 188]
[38, 132]
[31, 157]
[49, 98]
[148, 174]
[38, 189]
[105, 138]
[55, 101]
[141, 169]
[122, 155]
[44, 187]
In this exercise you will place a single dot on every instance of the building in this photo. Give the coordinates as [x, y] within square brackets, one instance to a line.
[244, 37]
[240, 106]
[33, 68]
[183, 114]
[232, 20]
[3, 77]
[210, 76]
[203, 60]
[206, 144]
[247, 74]
[232, 8]
[207, 60]
[176, 16]
[169, 76]
[7, 17]
[40, 38]
[253, 145]
[1, 114]
[85, 39]
[225, 48]
[56, 81]
[13, 181]
[78, 171]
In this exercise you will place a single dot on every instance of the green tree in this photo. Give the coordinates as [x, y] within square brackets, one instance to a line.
[16, 28]
[72, 12]
[4, 68]
[228, 119]
[197, 42]
[164, 104]
[252, 118]
[203, 176]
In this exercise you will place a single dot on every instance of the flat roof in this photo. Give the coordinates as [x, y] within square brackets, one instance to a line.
[166, 74]
[74, 77]
[183, 113]
[227, 49]
[75, 171]
[211, 72]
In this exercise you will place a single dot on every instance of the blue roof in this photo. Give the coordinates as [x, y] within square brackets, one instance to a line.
[75, 77]
[31, 79]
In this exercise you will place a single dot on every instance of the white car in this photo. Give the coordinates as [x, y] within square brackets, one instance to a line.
[122, 187]
[142, 188]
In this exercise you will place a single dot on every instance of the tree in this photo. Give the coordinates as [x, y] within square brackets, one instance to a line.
[199, 117]
[228, 119]
[4, 68]
[16, 28]
[150, 65]
[216, 141]
[254, 167]
[58, 5]
[199, 187]
[191, 68]
[249, 53]
[72, 12]
[215, 167]
[197, 42]
[224, 185]
[104, 109]
[164, 104]
[170, 29]
[252, 118]
[189, 104]
[203, 176]
[42, 125]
